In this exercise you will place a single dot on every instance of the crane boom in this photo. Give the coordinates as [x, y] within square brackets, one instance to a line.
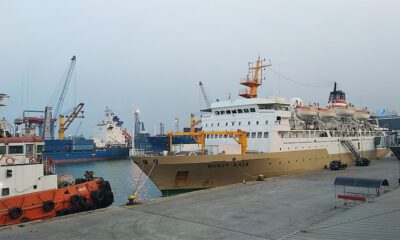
[63, 126]
[65, 86]
[204, 95]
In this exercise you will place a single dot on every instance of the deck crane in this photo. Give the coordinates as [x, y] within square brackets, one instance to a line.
[63, 125]
[65, 86]
[208, 105]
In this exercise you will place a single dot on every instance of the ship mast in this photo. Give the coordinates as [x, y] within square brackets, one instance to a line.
[255, 81]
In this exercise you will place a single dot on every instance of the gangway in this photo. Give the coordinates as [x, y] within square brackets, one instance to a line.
[351, 147]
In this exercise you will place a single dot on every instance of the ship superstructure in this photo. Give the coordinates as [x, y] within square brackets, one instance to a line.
[282, 136]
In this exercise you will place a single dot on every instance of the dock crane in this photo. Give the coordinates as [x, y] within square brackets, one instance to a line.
[64, 90]
[194, 122]
[208, 105]
[63, 125]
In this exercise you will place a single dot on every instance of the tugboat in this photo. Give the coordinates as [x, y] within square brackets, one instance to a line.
[30, 189]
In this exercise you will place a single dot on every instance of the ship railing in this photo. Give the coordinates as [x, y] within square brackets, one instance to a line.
[324, 133]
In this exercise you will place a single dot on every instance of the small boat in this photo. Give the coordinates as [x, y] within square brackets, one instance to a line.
[30, 189]
[344, 111]
[304, 112]
[361, 115]
[326, 113]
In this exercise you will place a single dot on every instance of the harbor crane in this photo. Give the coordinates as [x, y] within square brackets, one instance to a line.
[64, 90]
[63, 125]
[206, 100]
[194, 122]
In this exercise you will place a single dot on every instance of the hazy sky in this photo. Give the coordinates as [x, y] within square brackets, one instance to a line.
[151, 54]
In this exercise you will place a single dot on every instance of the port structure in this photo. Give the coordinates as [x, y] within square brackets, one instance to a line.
[194, 122]
[63, 125]
[203, 92]
[239, 136]
[255, 80]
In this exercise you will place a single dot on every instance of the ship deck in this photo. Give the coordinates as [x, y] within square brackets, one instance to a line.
[272, 209]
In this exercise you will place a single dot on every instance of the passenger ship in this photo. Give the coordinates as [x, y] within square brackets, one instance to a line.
[281, 137]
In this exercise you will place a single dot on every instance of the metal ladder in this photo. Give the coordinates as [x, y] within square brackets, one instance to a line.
[351, 147]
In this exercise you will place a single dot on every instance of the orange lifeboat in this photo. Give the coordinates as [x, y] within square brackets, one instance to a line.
[326, 113]
[361, 114]
[304, 112]
[56, 202]
[344, 111]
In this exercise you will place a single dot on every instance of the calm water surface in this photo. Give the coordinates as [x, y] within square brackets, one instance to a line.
[122, 174]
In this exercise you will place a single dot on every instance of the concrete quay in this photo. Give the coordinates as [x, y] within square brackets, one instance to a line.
[273, 209]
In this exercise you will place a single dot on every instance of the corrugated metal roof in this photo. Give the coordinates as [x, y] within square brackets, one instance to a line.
[374, 220]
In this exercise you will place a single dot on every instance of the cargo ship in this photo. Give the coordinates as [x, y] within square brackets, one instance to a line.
[255, 137]
[156, 143]
[110, 142]
[30, 189]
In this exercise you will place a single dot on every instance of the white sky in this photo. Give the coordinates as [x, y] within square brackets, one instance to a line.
[151, 54]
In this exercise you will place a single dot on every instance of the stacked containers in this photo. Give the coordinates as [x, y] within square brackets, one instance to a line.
[83, 145]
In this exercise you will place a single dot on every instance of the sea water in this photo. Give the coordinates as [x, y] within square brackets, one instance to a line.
[123, 175]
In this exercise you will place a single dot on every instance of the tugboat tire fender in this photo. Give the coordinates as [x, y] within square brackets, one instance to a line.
[15, 212]
[48, 206]
[98, 195]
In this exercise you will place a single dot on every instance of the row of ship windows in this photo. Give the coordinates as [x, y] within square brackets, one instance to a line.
[249, 135]
[234, 111]
[233, 123]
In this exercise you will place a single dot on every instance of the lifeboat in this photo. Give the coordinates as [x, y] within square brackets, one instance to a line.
[361, 115]
[344, 111]
[326, 113]
[304, 112]
[84, 196]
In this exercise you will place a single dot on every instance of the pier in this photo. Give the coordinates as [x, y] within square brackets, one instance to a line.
[277, 208]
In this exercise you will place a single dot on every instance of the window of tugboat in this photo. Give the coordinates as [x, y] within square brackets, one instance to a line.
[15, 149]
[252, 110]
[29, 149]
[259, 135]
[253, 135]
[5, 191]
[240, 111]
[246, 110]
[228, 111]
[234, 111]
[39, 148]
[2, 150]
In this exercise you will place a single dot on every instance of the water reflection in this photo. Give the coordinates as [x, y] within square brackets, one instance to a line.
[122, 174]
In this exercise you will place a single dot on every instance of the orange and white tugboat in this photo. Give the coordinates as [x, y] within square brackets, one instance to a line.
[30, 190]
